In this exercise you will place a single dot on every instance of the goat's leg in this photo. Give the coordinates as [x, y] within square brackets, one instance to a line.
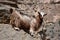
[12, 22]
[16, 27]
[17, 24]
[31, 31]
[34, 33]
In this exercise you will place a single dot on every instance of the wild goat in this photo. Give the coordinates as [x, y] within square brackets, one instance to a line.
[31, 24]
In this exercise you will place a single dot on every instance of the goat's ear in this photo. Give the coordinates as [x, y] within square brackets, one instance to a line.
[11, 10]
[39, 13]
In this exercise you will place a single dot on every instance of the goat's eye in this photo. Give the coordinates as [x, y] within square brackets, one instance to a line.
[33, 16]
[18, 18]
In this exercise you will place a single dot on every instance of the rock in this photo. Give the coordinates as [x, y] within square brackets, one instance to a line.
[57, 1]
[8, 33]
[51, 21]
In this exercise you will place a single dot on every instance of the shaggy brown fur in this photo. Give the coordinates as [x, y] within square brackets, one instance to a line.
[29, 23]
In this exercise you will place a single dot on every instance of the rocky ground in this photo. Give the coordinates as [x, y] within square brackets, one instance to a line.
[51, 20]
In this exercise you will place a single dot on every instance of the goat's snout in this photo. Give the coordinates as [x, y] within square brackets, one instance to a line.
[43, 14]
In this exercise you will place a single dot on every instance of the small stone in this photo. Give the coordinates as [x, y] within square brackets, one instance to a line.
[44, 29]
[48, 38]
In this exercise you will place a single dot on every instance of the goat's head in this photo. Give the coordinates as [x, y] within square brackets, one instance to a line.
[39, 14]
[39, 19]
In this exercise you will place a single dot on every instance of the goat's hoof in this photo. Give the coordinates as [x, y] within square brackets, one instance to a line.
[32, 35]
[35, 36]
[17, 29]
